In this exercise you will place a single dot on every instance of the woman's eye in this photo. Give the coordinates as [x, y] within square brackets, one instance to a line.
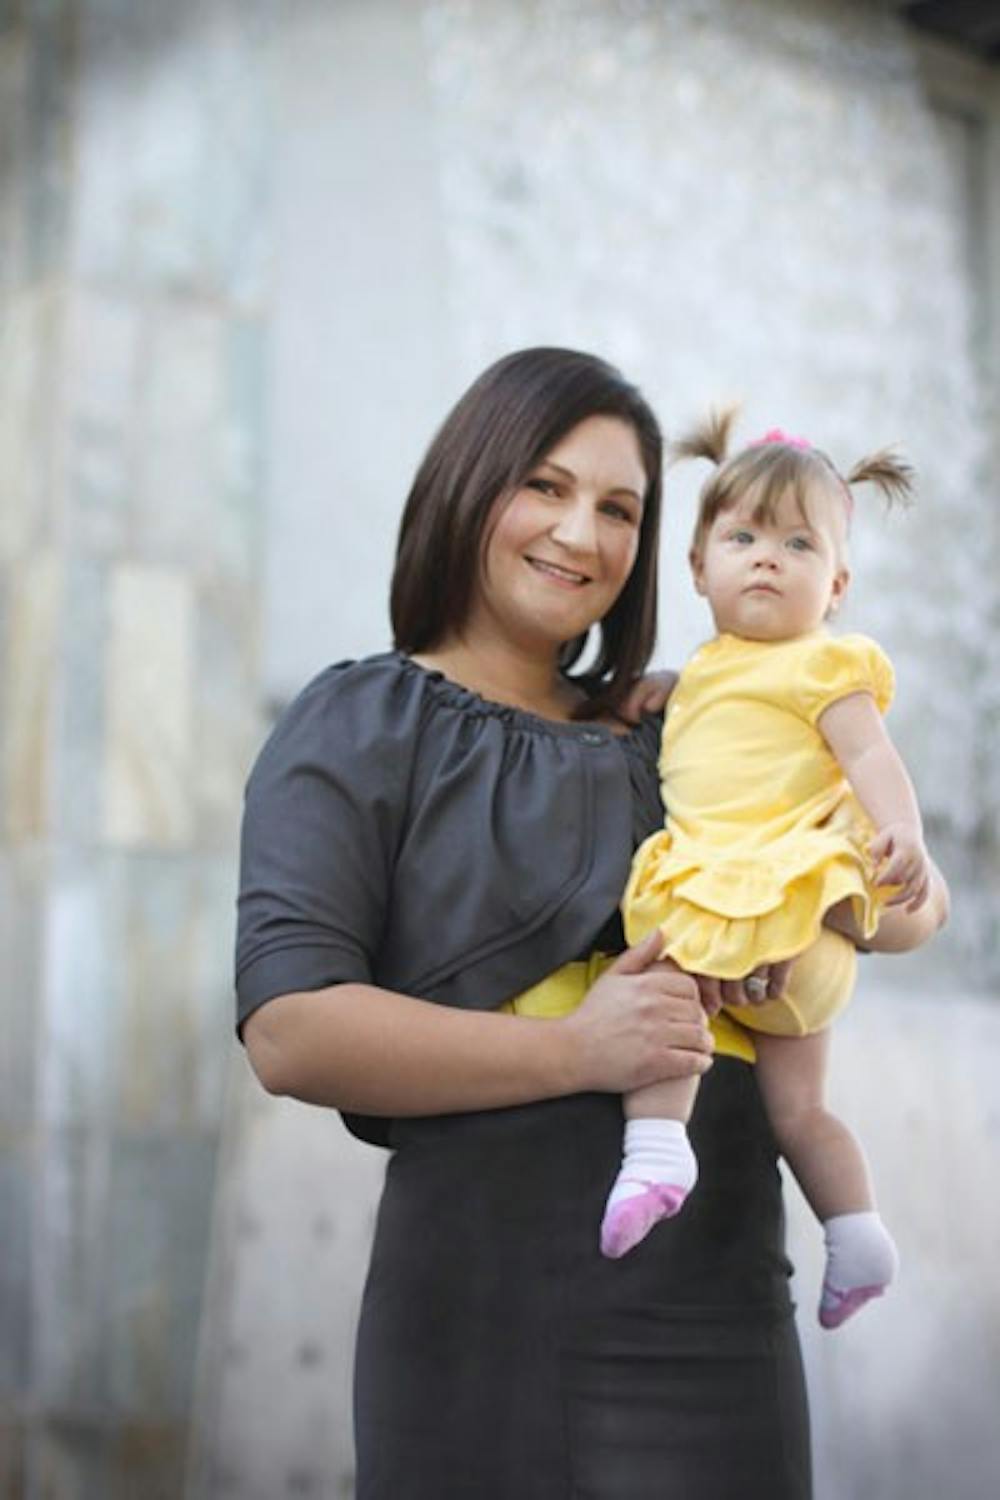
[543, 486]
[619, 511]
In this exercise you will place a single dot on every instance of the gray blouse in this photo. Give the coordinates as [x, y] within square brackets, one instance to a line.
[402, 831]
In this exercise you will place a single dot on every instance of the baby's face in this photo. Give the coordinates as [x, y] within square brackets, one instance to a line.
[772, 580]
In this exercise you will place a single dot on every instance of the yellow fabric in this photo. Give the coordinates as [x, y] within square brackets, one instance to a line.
[560, 992]
[763, 834]
[819, 988]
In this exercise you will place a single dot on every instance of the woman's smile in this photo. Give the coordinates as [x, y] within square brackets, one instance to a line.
[558, 574]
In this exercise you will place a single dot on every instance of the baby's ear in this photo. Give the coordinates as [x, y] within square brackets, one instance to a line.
[697, 569]
[841, 580]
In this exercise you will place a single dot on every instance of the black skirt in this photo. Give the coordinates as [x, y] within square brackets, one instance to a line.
[501, 1357]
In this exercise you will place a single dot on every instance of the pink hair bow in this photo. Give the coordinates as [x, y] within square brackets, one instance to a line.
[776, 435]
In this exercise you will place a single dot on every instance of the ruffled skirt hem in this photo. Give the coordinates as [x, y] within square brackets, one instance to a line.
[728, 916]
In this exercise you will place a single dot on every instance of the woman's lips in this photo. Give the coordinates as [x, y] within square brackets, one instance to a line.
[558, 574]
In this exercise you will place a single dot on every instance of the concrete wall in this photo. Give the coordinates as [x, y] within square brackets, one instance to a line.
[248, 256]
[134, 253]
[904, 1397]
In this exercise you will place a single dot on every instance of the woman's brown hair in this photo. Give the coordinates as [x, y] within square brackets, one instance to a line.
[504, 425]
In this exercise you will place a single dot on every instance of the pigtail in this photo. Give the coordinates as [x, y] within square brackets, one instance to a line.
[710, 439]
[888, 472]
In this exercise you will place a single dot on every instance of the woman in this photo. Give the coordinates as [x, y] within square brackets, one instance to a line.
[429, 832]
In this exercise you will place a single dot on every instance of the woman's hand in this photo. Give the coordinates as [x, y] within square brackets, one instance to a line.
[907, 921]
[764, 984]
[641, 1022]
[900, 929]
[648, 695]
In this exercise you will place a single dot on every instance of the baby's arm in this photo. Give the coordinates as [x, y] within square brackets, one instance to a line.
[856, 733]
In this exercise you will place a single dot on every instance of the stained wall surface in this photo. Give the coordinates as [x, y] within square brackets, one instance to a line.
[132, 275]
[249, 254]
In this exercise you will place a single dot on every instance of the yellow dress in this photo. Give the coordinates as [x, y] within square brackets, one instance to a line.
[763, 833]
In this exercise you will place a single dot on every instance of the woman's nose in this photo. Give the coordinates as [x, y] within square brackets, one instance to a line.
[575, 527]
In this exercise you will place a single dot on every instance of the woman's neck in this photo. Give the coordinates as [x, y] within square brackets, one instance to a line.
[504, 673]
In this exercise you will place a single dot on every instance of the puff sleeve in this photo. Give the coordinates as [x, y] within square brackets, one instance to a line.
[324, 804]
[835, 667]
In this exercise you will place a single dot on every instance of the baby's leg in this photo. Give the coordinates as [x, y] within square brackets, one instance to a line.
[830, 1168]
[658, 1167]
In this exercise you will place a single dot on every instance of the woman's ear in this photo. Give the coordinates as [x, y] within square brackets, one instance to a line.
[697, 569]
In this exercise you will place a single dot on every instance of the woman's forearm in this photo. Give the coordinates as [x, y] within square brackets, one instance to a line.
[899, 930]
[372, 1051]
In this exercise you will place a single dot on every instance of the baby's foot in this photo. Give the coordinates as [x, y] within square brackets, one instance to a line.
[836, 1307]
[861, 1261]
[633, 1208]
[658, 1171]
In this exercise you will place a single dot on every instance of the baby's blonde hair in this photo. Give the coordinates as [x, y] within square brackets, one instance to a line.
[778, 465]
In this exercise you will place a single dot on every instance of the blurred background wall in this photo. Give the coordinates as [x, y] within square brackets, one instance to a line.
[249, 254]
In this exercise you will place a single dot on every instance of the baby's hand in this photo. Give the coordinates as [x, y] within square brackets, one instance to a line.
[902, 860]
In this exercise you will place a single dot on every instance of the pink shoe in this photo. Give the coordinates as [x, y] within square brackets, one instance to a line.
[629, 1221]
[836, 1307]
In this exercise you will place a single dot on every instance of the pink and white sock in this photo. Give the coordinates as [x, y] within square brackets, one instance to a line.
[658, 1171]
[861, 1260]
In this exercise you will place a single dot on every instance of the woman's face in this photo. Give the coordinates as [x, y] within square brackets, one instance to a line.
[560, 550]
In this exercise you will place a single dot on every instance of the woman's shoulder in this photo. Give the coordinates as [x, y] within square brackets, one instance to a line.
[380, 680]
[353, 705]
[387, 710]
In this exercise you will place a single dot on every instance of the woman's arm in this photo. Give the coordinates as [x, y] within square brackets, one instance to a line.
[372, 1051]
[899, 928]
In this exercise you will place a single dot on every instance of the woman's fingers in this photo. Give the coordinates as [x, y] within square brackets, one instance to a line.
[767, 982]
[640, 1022]
[710, 992]
[777, 979]
[733, 993]
[637, 959]
[648, 695]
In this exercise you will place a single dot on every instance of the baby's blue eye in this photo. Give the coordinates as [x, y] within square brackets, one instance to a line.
[800, 543]
[743, 537]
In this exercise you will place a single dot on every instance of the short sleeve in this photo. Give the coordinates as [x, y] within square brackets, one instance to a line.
[322, 812]
[835, 667]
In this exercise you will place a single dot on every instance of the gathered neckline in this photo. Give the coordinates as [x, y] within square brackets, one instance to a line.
[474, 703]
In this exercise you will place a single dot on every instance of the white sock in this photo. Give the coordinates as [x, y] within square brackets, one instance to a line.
[861, 1260]
[655, 1151]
